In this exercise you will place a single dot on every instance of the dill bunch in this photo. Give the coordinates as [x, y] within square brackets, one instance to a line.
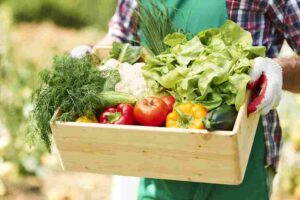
[71, 84]
[155, 24]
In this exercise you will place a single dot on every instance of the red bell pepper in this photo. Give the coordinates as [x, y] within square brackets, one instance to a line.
[120, 114]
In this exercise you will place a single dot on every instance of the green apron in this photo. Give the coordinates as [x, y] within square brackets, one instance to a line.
[194, 16]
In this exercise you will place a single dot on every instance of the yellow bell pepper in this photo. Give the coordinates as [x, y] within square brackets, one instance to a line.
[86, 119]
[187, 115]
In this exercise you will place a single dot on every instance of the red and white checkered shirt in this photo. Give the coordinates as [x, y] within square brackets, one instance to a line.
[270, 23]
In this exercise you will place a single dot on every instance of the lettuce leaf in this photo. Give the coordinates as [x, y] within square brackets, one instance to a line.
[175, 39]
[212, 68]
[239, 81]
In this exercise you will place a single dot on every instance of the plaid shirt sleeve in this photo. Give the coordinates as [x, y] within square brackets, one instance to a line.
[122, 23]
[273, 138]
[286, 18]
[292, 24]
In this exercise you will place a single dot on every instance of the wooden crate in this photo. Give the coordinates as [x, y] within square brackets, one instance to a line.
[157, 152]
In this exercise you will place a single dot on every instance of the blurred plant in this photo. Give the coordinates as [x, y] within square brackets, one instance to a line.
[15, 97]
[67, 13]
[289, 171]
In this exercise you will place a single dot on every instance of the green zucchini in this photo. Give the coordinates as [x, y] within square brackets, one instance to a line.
[112, 98]
[221, 118]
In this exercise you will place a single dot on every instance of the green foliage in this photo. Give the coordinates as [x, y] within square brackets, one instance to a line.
[211, 68]
[71, 84]
[155, 24]
[15, 92]
[126, 52]
[67, 13]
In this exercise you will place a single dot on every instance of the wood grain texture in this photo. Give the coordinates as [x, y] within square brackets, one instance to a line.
[148, 153]
[247, 126]
[157, 152]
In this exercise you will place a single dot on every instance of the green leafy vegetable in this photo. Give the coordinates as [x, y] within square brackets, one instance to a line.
[124, 52]
[71, 84]
[155, 24]
[174, 39]
[185, 53]
[212, 68]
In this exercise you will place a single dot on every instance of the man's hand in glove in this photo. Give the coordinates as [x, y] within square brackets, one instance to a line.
[84, 50]
[81, 51]
[266, 83]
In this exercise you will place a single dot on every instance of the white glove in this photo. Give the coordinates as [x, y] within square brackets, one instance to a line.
[266, 83]
[81, 51]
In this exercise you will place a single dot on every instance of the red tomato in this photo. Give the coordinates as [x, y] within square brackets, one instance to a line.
[170, 101]
[151, 111]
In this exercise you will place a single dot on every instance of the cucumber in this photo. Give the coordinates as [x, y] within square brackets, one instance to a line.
[221, 118]
[112, 98]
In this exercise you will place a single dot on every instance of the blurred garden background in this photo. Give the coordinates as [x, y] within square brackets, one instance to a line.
[31, 33]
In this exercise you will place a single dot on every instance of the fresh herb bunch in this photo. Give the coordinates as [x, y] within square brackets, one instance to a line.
[73, 85]
[155, 24]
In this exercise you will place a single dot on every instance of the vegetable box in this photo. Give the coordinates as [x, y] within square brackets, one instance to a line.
[157, 152]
